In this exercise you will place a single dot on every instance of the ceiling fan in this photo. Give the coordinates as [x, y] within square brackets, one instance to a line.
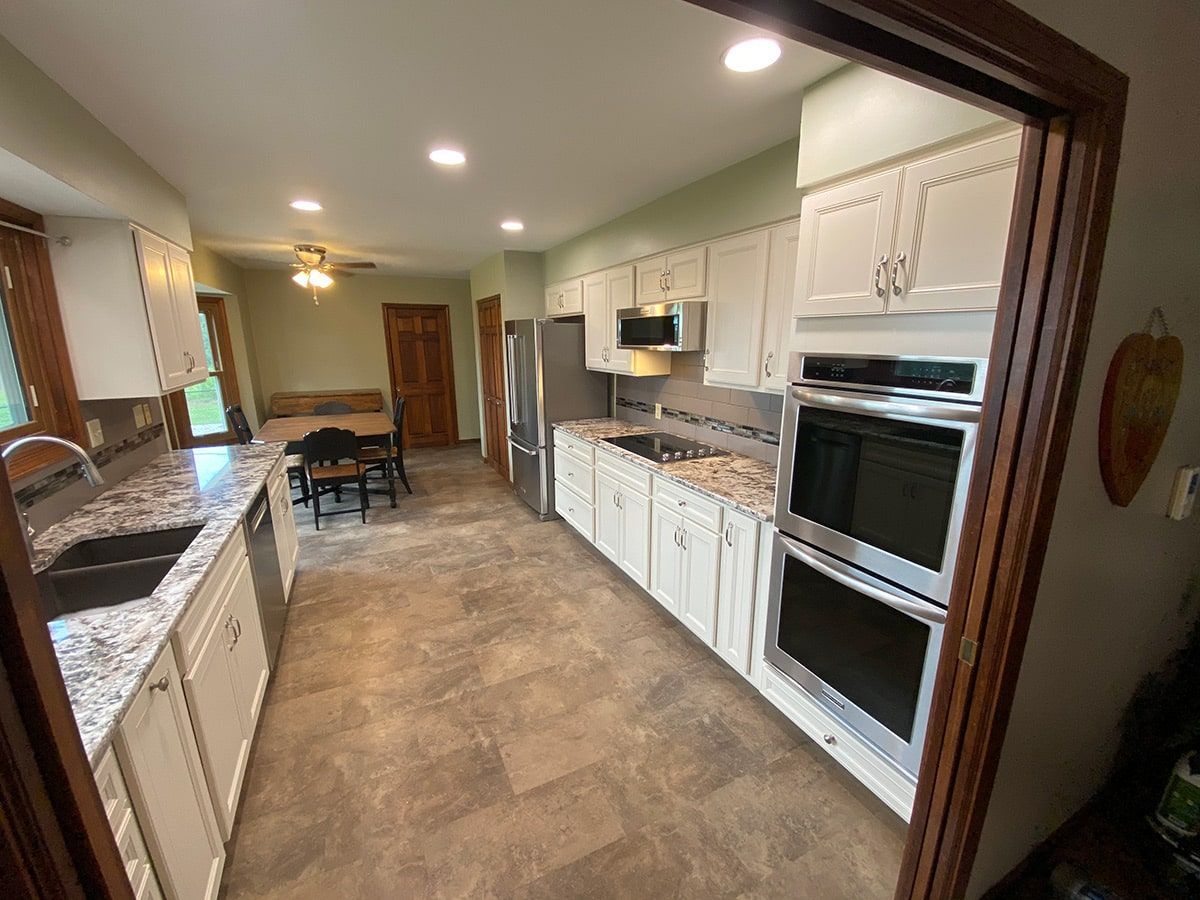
[314, 271]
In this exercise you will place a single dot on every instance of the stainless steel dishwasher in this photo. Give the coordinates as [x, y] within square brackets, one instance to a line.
[268, 579]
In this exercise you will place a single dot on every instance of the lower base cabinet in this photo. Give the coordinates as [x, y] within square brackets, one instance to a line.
[623, 526]
[735, 603]
[125, 828]
[685, 571]
[156, 749]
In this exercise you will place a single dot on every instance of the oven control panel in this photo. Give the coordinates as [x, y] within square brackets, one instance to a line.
[902, 374]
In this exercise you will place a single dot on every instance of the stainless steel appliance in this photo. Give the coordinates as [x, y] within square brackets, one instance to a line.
[662, 326]
[875, 461]
[547, 383]
[264, 566]
[664, 448]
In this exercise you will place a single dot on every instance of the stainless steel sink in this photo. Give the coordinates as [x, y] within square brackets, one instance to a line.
[108, 571]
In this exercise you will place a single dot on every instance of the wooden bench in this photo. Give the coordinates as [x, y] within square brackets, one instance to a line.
[302, 403]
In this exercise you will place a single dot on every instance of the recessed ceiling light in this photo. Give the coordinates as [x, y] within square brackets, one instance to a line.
[444, 156]
[752, 55]
[512, 225]
[305, 205]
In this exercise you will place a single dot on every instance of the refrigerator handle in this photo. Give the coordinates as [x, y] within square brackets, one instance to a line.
[513, 386]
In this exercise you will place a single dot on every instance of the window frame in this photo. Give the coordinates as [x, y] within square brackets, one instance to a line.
[221, 340]
[40, 344]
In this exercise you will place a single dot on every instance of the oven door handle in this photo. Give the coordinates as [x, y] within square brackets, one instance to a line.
[949, 411]
[928, 612]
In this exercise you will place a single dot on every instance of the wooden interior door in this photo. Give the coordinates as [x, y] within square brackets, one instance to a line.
[419, 357]
[491, 352]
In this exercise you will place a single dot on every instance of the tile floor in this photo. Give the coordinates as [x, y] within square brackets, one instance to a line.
[471, 703]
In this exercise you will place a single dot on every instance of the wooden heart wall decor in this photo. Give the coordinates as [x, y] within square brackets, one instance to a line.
[1135, 412]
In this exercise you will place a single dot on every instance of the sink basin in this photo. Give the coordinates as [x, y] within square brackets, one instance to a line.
[108, 571]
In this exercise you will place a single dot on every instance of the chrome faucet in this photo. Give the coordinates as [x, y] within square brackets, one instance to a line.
[90, 472]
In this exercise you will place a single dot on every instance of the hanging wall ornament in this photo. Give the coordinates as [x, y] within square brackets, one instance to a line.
[1139, 399]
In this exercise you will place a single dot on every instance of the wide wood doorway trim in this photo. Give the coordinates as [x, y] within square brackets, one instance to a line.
[442, 312]
[1072, 105]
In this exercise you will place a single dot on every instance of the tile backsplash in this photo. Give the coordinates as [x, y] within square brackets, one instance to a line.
[745, 422]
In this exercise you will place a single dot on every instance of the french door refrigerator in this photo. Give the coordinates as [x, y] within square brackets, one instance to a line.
[547, 383]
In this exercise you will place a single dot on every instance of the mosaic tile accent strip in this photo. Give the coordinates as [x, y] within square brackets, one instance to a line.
[56, 481]
[746, 431]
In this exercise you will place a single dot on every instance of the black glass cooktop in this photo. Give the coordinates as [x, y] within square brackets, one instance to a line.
[664, 448]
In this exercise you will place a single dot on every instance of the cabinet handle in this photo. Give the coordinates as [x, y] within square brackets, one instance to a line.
[729, 534]
[706, 353]
[880, 269]
[676, 535]
[896, 289]
[237, 629]
[662, 281]
[682, 538]
[667, 277]
[620, 501]
[160, 685]
[683, 503]
[829, 739]
[767, 363]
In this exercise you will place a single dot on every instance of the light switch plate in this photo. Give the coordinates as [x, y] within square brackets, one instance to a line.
[147, 414]
[139, 417]
[95, 433]
[658, 410]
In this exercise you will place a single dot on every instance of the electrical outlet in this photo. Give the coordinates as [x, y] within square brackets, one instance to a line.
[95, 432]
[139, 417]
[658, 410]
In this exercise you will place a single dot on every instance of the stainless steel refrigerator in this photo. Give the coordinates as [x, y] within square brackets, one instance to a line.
[547, 383]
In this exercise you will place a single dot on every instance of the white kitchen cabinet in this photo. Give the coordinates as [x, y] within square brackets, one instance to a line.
[701, 576]
[737, 298]
[250, 665]
[679, 275]
[634, 556]
[623, 516]
[603, 294]
[777, 318]
[129, 310]
[156, 749]
[666, 557]
[952, 228]
[844, 248]
[608, 516]
[287, 542]
[565, 298]
[118, 807]
[735, 596]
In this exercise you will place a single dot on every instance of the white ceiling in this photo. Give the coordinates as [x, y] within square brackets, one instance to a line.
[571, 112]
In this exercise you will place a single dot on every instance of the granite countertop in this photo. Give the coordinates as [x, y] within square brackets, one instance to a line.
[741, 482]
[105, 655]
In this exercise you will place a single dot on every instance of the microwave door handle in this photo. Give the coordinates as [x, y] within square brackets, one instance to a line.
[947, 411]
[928, 612]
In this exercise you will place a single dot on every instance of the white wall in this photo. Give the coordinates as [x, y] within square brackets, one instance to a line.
[1117, 589]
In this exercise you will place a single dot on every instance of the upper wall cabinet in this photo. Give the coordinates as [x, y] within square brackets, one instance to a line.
[603, 294]
[565, 298]
[127, 295]
[929, 236]
[737, 298]
[676, 276]
[777, 319]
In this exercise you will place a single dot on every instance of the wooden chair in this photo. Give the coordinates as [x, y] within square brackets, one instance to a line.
[376, 456]
[332, 458]
[294, 460]
[332, 408]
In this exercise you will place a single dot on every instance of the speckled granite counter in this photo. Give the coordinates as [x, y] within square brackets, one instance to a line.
[739, 481]
[104, 656]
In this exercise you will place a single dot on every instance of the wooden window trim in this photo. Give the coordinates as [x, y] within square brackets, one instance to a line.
[43, 343]
[178, 418]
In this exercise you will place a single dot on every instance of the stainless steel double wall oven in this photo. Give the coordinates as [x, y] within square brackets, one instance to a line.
[874, 466]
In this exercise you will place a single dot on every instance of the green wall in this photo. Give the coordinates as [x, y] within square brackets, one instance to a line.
[341, 343]
[755, 191]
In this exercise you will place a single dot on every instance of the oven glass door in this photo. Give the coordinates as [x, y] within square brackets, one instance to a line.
[865, 650]
[648, 331]
[880, 483]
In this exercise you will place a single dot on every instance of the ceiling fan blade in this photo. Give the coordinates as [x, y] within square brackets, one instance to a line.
[353, 265]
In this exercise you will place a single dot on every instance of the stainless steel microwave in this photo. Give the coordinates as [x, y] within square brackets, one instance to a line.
[663, 326]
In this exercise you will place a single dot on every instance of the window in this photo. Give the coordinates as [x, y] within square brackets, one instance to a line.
[198, 411]
[37, 388]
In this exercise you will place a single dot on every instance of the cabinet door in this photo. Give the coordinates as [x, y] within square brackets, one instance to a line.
[156, 749]
[634, 557]
[701, 577]
[250, 666]
[845, 235]
[154, 263]
[608, 517]
[596, 327]
[737, 297]
[213, 701]
[554, 301]
[666, 557]
[777, 319]
[287, 544]
[952, 230]
[572, 297]
[620, 296]
[735, 595]
[686, 273]
[183, 293]
[651, 281]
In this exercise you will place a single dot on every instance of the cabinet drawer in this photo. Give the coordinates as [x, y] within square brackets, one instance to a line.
[692, 506]
[198, 618]
[580, 449]
[626, 473]
[113, 792]
[569, 470]
[575, 510]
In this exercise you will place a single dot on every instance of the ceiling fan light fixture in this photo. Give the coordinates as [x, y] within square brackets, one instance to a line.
[317, 278]
[301, 278]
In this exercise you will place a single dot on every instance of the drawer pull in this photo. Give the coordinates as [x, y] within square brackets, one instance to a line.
[160, 685]
[683, 503]
[830, 739]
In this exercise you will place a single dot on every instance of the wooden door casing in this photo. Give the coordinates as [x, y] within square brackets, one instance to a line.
[421, 368]
[491, 353]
